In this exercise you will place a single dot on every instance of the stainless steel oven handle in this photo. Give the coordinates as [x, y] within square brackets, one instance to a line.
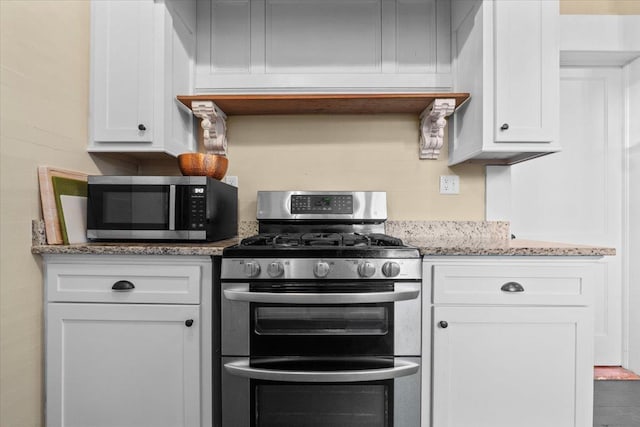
[241, 294]
[243, 369]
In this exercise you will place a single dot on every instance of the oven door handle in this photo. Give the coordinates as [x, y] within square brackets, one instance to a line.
[401, 368]
[242, 294]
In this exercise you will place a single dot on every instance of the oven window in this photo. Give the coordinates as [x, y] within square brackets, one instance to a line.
[321, 320]
[322, 330]
[322, 405]
[129, 207]
[149, 207]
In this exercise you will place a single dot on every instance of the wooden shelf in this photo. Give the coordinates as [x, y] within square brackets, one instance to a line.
[323, 103]
[432, 108]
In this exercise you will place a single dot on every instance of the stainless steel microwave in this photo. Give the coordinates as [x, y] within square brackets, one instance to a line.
[179, 208]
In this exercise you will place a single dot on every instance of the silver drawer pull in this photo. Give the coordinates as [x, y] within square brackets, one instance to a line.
[123, 285]
[512, 287]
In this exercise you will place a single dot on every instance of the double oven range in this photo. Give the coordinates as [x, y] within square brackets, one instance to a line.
[321, 317]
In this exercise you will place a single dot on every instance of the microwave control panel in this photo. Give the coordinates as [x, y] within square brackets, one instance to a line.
[197, 207]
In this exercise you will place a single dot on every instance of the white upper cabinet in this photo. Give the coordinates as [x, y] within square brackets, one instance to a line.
[323, 46]
[505, 53]
[142, 56]
[145, 53]
[122, 71]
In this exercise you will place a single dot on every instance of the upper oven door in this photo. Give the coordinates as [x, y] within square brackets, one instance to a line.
[321, 319]
[131, 207]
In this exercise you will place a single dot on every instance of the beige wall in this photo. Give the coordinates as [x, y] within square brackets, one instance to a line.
[43, 108]
[344, 152]
[600, 7]
[349, 152]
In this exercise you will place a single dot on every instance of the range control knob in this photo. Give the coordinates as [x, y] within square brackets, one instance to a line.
[391, 269]
[251, 269]
[275, 269]
[321, 269]
[366, 269]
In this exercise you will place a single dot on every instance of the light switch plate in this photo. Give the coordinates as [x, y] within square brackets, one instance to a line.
[449, 184]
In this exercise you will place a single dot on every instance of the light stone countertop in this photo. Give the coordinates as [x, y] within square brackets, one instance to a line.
[432, 238]
[137, 248]
[516, 247]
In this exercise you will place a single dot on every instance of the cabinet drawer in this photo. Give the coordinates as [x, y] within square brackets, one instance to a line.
[516, 284]
[124, 283]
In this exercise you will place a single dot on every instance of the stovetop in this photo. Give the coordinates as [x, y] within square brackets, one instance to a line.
[278, 240]
[326, 236]
[300, 245]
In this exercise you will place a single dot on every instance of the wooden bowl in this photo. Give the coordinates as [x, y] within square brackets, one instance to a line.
[203, 164]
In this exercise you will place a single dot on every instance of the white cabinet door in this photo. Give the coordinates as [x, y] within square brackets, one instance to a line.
[122, 365]
[512, 366]
[122, 71]
[142, 57]
[527, 70]
[506, 55]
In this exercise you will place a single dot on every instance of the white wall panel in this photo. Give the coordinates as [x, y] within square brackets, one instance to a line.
[576, 195]
[633, 150]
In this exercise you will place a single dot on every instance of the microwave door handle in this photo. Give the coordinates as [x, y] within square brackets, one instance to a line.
[172, 207]
[401, 368]
[240, 294]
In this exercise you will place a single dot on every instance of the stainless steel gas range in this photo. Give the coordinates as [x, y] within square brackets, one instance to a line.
[321, 317]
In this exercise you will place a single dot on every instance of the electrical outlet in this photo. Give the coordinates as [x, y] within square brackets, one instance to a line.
[449, 184]
[231, 180]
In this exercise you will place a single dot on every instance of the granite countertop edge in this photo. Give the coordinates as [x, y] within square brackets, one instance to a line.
[511, 248]
[137, 248]
[426, 248]
[432, 238]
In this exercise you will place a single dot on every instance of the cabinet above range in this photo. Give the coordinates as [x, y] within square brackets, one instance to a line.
[360, 49]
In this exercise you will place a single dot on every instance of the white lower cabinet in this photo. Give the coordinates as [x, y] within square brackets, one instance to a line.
[511, 342]
[123, 365]
[111, 363]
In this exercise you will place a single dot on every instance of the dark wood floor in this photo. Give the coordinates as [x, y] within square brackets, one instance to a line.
[616, 404]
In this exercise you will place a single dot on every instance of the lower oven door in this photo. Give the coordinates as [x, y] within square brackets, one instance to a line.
[306, 392]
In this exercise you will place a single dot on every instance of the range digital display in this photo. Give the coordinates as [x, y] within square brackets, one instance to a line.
[321, 204]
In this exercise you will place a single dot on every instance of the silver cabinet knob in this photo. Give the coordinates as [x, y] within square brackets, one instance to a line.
[251, 269]
[390, 269]
[275, 269]
[321, 269]
[366, 269]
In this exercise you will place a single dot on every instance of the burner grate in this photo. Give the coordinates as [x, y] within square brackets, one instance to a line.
[288, 240]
